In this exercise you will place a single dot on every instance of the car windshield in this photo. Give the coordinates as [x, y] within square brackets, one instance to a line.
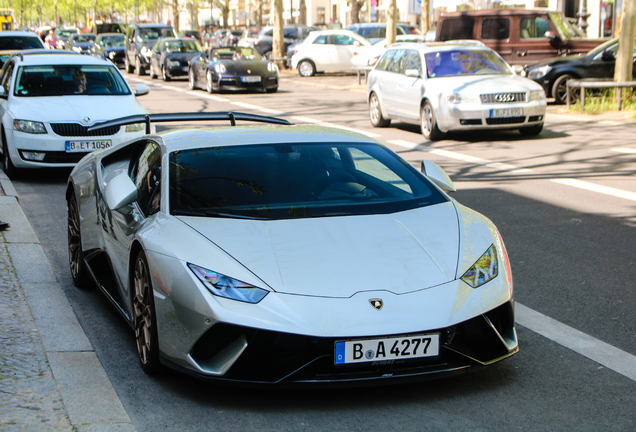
[66, 33]
[153, 34]
[19, 42]
[234, 53]
[84, 38]
[465, 62]
[182, 46]
[603, 47]
[68, 80]
[290, 181]
[113, 41]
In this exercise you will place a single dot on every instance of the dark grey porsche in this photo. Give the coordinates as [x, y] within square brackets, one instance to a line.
[233, 69]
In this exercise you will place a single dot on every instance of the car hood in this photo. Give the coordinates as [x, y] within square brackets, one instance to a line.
[340, 256]
[75, 108]
[482, 84]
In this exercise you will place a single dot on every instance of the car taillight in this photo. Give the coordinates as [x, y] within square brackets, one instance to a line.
[257, 40]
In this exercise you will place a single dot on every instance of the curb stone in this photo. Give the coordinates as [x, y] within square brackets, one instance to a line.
[50, 376]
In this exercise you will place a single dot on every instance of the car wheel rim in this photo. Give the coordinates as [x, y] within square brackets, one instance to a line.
[74, 242]
[142, 311]
[427, 120]
[375, 109]
[562, 91]
[305, 69]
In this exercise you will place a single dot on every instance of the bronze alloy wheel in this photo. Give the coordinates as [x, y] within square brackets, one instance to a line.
[75, 254]
[145, 322]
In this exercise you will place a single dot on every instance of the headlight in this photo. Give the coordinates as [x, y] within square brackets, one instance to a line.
[135, 127]
[174, 63]
[536, 95]
[112, 54]
[461, 98]
[29, 126]
[539, 72]
[224, 286]
[272, 67]
[485, 269]
[146, 52]
[220, 68]
[77, 49]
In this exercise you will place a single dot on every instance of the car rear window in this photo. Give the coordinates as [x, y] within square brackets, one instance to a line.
[69, 80]
[288, 181]
[19, 42]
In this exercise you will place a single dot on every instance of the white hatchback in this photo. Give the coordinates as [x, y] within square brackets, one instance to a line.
[450, 87]
[328, 50]
[50, 99]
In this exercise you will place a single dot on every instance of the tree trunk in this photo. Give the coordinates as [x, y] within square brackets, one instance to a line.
[355, 12]
[303, 12]
[425, 18]
[391, 20]
[624, 56]
[278, 45]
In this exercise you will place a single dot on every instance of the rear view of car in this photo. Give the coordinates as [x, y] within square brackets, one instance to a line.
[13, 41]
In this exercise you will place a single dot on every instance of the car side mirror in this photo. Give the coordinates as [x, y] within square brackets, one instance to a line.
[555, 40]
[141, 90]
[608, 56]
[437, 175]
[413, 73]
[356, 43]
[120, 193]
[518, 70]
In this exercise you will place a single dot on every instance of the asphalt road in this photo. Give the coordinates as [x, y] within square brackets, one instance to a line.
[571, 246]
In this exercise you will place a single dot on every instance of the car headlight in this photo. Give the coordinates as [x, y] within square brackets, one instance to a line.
[272, 67]
[484, 270]
[112, 54]
[461, 98]
[224, 286]
[77, 49]
[539, 72]
[174, 63]
[146, 52]
[135, 127]
[220, 68]
[536, 95]
[28, 126]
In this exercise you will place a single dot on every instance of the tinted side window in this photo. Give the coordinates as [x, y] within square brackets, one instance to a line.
[321, 40]
[290, 33]
[396, 62]
[533, 27]
[413, 61]
[385, 60]
[341, 40]
[495, 28]
[146, 174]
[457, 28]
[6, 77]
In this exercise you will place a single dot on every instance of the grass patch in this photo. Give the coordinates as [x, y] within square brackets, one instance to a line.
[600, 101]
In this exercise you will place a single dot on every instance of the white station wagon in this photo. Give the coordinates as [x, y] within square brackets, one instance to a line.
[451, 87]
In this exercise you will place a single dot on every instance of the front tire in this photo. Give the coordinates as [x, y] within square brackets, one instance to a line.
[144, 317]
[306, 68]
[139, 70]
[191, 80]
[428, 122]
[9, 169]
[164, 74]
[209, 86]
[560, 90]
[153, 75]
[127, 65]
[531, 130]
[79, 273]
[375, 112]
[272, 90]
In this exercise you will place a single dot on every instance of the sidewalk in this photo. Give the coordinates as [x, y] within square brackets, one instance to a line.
[50, 376]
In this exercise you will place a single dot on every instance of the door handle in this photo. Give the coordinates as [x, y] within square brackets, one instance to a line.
[522, 53]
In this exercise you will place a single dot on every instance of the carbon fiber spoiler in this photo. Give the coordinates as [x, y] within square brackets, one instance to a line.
[191, 116]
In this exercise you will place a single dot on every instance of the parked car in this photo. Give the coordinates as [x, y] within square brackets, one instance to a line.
[80, 43]
[218, 38]
[100, 27]
[193, 34]
[111, 46]
[327, 50]
[365, 57]
[171, 57]
[292, 33]
[50, 99]
[232, 37]
[140, 38]
[452, 87]
[553, 74]
[63, 34]
[233, 69]
[375, 32]
[521, 37]
[13, 41]
[283, 254]
[248, 37]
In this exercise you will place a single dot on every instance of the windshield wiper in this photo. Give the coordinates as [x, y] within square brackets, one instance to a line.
[234, 215]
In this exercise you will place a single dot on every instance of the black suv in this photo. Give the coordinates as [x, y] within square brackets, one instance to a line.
[292, 33]
[140, 38]
[375, 32]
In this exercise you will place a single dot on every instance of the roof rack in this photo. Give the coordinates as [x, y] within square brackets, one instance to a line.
[191, 116]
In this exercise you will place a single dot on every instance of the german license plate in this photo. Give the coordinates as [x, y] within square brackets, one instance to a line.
[392, 348]
[87, 146]
[506, 112]
[251, 79]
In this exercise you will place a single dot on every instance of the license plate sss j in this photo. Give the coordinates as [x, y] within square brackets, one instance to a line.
[381, 349]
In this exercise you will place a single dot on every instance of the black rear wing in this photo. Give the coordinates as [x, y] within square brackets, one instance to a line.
[189, 116]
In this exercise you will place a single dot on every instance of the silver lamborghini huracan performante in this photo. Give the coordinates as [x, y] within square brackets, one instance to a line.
[271, 253]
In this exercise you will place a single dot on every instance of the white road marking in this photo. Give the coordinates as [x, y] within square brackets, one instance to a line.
[624, 150]
[579, 342]
[597, 188]
[337, 126]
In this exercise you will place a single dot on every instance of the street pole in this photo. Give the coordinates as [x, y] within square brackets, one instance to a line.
[583, 16]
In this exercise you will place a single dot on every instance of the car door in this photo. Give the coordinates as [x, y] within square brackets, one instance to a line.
[531, 43]
[321, 52]
[343, 48]
[495, 33]
[391, 67]
[408, 89]
[119, 229]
